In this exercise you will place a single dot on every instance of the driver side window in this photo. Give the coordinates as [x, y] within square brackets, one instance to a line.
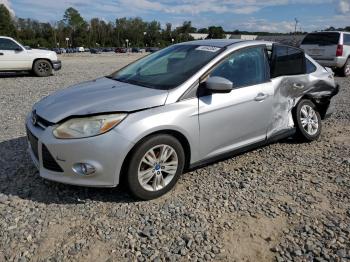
[245, 67]
[7, 44]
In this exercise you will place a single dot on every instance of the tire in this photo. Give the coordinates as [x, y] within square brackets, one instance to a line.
[157, 181]
[42, 68]
[307, 121]
[345, 70]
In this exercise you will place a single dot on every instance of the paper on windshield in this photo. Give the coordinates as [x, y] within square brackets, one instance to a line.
[212, 49]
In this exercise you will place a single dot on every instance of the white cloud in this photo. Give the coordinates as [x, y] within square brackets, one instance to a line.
[8, 6]
[246, 10]
[202, 13]
[213, 6]
[343, 6]
[177, 7]
[264, 25]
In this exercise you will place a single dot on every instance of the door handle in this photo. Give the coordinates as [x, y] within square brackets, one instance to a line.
[1, 53]
[298, 86]
[260, 97]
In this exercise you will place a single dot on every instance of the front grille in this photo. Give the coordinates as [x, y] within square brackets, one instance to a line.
[33, 141]
[49, 161]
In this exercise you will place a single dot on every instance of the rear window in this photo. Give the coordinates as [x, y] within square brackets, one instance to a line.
[346, 39]
[321, 39]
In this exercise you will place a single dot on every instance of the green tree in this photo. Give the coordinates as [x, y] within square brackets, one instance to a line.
[77, 26]
[106, 34]
[167, 34]
[6, 24]
[153, 34]
[34, 33]
[73, 18]
[183, 32]
[202, 31]
[216, 32]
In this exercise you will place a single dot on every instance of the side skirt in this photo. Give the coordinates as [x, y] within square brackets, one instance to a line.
[278, 136]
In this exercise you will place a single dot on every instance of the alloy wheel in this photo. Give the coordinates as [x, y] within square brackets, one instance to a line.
[309, 120]
[43, 67]
[157, 167]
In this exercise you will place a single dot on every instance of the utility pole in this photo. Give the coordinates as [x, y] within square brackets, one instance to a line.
[296, 25]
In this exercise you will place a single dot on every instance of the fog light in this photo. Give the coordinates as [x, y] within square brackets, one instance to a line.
[84, 169]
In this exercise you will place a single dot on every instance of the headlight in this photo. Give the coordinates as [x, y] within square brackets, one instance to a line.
[87, 126]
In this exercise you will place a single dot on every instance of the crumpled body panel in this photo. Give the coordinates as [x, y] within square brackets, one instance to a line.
[288, 90]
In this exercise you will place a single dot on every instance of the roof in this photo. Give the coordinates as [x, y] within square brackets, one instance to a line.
[292, 40]
[7, 37]
[214, 42]
[330, 32]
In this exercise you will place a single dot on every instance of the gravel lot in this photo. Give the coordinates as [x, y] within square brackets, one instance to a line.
[288, 201]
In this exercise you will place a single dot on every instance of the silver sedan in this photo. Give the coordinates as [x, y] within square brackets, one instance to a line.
[176, 109]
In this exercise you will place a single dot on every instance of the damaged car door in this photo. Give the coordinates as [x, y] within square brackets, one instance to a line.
[239, 117]
[289, 78]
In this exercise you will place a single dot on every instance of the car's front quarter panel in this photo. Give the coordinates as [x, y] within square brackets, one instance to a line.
[35, 54]
[180, 117]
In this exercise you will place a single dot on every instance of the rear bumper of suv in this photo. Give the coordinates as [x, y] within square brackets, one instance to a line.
[57, 65]
[337, 62]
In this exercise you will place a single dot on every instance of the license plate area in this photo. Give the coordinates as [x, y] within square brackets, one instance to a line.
[316, 52]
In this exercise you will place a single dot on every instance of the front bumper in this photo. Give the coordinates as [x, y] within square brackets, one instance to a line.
[57, 65]
[105, 152]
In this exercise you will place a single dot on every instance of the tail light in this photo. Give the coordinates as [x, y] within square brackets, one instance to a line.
[339, 50]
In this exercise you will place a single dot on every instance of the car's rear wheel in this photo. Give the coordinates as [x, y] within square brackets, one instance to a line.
[42, 68]
[155, 166]
[307, 120]
[345, 70]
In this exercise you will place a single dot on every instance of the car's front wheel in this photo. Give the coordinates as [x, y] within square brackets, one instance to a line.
[42, 68]
[155, 166]
[307, 120]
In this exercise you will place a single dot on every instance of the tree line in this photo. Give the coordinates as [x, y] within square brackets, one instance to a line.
[99, 33]
[96, 32]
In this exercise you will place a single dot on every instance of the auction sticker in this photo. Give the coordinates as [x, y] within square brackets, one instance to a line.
[208, 48]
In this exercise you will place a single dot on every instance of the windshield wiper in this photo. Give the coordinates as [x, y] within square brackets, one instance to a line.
[129, 81]
[135, 82]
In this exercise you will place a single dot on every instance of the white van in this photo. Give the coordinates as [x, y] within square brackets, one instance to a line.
[329, 48]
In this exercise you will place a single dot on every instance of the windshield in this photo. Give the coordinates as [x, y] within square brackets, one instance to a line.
[167, 68]
[321, 39]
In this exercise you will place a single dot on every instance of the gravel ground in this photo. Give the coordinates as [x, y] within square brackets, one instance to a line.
[287, 201]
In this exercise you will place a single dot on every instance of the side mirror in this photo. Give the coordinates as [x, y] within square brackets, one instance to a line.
[218, 84]
[18, 49]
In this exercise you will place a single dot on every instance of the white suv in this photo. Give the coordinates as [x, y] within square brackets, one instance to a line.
[331, 49]
[15, 57]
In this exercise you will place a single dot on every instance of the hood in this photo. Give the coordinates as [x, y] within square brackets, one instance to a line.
[41, 52]
[102, 95]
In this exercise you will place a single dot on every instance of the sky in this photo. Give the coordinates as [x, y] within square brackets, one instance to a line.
[250, 15]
